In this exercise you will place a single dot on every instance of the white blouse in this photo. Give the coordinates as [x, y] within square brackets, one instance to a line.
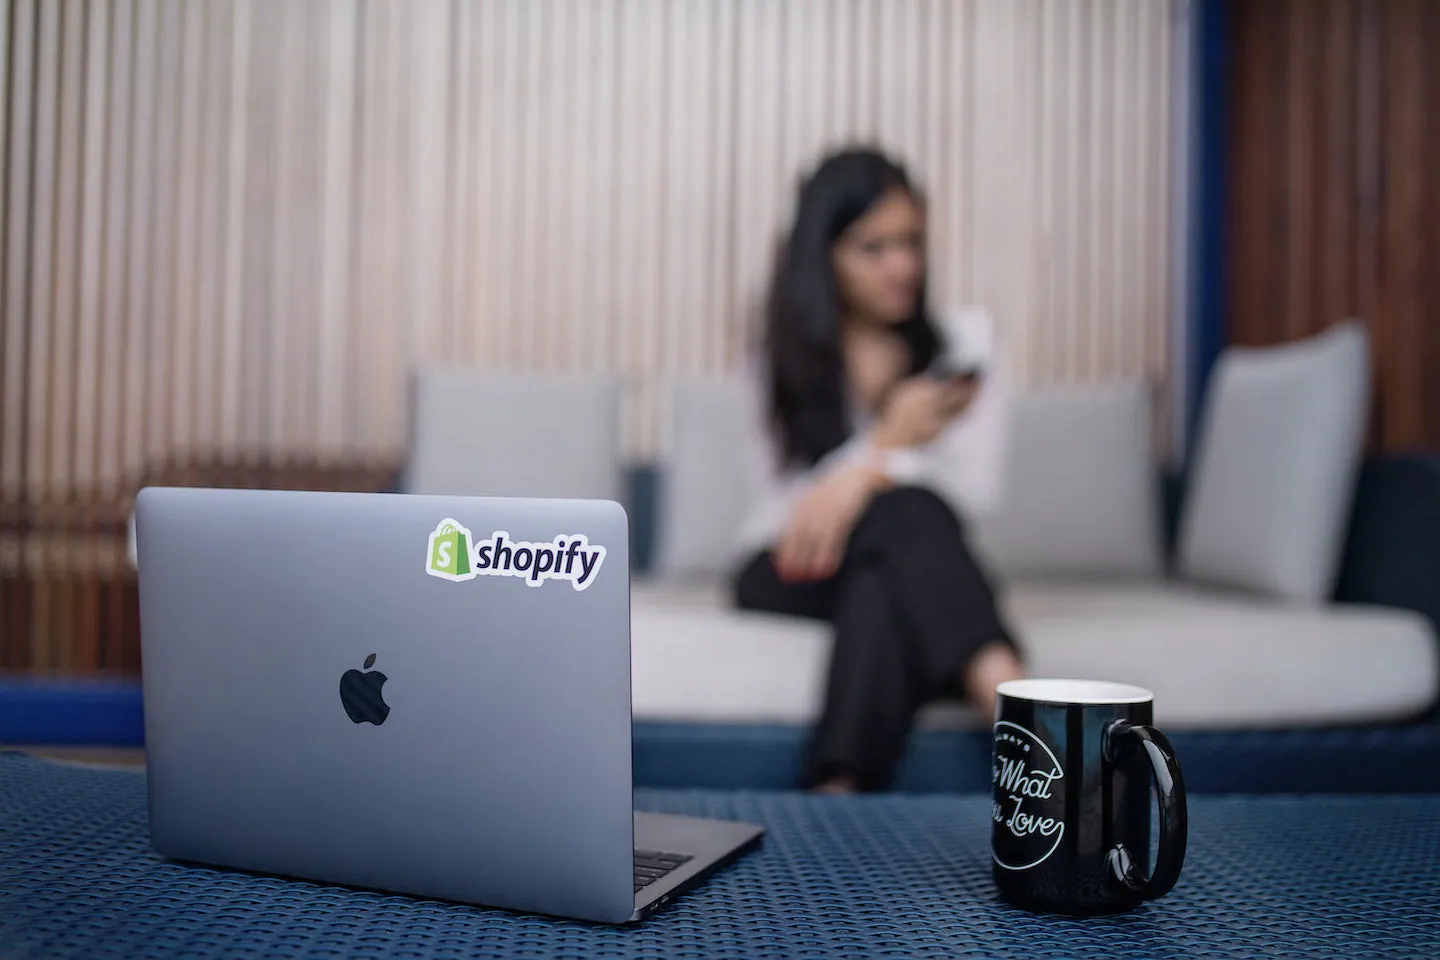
[964, 464]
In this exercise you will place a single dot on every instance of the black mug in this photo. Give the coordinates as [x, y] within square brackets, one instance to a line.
[1073, 764]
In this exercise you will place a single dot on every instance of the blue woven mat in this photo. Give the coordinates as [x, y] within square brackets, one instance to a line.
[838, 877]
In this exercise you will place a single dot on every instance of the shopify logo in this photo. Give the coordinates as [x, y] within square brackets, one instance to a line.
[454, 554]
[450, 552]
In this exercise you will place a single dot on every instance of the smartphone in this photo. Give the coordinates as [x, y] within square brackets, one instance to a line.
[945, 369]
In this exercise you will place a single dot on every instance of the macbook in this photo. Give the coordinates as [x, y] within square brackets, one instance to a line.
[427, 695]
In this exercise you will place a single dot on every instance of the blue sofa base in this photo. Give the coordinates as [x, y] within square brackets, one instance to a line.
[1378, 759]
[71, 712]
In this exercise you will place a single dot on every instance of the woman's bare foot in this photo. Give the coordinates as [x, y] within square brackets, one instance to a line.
[992, 666]
[837, 785]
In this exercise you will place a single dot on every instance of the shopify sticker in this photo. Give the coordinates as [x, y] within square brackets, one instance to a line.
[455, 554]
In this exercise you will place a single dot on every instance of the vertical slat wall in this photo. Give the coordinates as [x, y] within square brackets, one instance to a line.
[234, 226]
[1334, 202]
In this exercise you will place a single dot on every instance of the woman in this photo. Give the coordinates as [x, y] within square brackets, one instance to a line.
[871, 456]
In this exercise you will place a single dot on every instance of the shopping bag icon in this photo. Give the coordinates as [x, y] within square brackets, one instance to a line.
[449, 554]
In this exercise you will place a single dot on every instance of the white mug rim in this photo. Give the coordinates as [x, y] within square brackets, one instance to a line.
[1078, 692]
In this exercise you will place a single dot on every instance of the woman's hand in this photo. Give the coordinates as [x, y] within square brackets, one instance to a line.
[813, 542]
[919, 408]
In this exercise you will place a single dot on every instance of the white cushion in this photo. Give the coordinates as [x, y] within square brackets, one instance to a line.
[1081, 494]
[1217, 660]
[703, 490]
[480, 433]
[1275, 466]
[1214, 660]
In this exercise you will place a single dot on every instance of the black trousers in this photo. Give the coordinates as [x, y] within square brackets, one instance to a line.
[910, 607]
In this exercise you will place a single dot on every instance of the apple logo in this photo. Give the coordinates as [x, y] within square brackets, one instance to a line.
[360, 694]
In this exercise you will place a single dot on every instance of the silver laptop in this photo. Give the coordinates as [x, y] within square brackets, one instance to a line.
[428, 695]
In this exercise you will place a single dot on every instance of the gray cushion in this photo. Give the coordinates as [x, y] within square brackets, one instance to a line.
[703, 490]
[1081, 496]
[1275, 466]
[479, 433]
[1215, 659]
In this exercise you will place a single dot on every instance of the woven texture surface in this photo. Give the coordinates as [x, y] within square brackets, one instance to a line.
[837, 877]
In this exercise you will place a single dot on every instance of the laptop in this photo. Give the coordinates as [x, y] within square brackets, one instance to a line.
[419, 694]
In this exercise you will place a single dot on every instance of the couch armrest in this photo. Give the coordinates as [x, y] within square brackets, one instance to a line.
[1392, 552]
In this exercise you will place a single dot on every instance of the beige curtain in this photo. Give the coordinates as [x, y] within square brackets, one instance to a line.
[233, 225]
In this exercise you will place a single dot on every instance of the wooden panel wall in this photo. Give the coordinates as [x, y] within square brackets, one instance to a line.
[231, 228]
[1335, 197]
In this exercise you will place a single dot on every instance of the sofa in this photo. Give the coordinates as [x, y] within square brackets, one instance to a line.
[1280, 596]
[1388, 586]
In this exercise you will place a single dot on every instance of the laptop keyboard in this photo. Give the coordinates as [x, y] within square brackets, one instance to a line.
[651, 865]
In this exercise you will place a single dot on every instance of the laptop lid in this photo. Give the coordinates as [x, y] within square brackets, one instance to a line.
[422, 694]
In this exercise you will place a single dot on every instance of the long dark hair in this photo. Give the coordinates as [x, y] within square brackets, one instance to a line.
[803, 311]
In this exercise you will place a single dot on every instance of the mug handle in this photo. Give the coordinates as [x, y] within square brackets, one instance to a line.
[1121, 740]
